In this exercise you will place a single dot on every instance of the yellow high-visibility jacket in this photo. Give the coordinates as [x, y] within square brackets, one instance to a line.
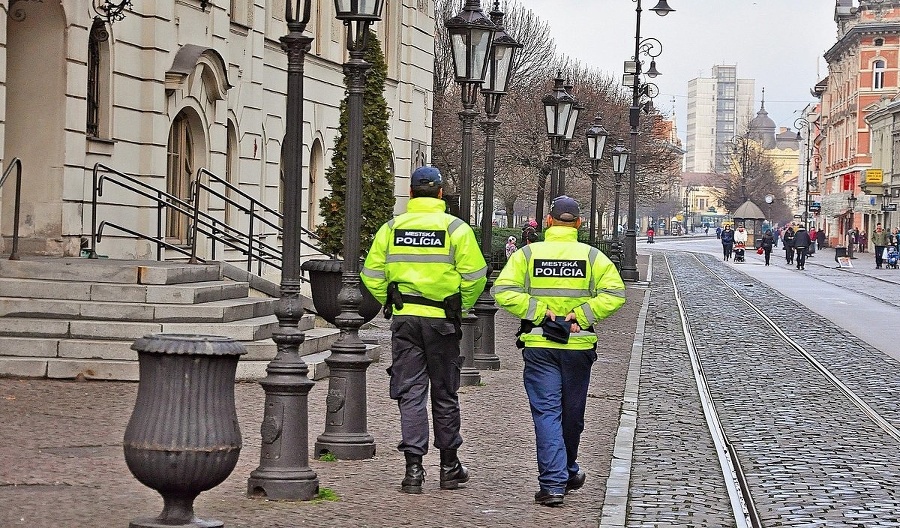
[428, 253]
[564, 276]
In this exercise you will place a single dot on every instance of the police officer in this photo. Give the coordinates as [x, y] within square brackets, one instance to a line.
[426, 267]
[559, 288]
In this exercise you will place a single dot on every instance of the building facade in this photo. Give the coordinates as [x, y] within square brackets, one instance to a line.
[862, 79]
[719, 108]
[175, 87]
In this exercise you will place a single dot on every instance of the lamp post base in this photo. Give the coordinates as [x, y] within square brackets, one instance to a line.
[469, 375]
[273, 484]
[345, 434]
[484, 356]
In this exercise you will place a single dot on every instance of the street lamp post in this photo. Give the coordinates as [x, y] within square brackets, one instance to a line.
[596, 141]
[620, 164]
[346, 433]
[284, 472]
[851, 201]
[652, 49]
[471, 36]
[500, 72]
[803, 124]
[560, 115]
[568, 136]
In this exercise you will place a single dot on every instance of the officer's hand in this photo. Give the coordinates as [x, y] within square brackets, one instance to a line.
[550, 315]
[574, 319]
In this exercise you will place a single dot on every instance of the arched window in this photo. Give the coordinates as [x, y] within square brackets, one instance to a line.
[98, 80]
[878, 75]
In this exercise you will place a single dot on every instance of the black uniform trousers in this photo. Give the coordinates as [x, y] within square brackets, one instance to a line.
[423, 350]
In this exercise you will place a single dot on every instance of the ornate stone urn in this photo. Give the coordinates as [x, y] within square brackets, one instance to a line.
[325, 283]
[183, 437]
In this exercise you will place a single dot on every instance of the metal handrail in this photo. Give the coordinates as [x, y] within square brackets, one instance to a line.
[252, 245]
[163, 201]
[132, 232]
[202, 223]
[17, 206]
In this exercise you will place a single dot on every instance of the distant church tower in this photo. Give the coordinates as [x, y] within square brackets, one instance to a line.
[762, 128]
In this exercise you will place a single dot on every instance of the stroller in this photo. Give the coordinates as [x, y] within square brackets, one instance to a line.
[893, 257]
[739, 250]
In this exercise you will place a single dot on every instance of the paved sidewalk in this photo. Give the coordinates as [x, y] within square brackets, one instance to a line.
[61, 461]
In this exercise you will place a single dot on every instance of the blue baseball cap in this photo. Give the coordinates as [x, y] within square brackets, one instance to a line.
[425, 177]
[564, 208]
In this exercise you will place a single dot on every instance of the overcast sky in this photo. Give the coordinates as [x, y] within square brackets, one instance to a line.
[779, 43]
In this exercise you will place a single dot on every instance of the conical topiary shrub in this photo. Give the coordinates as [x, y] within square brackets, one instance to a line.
[377, 180]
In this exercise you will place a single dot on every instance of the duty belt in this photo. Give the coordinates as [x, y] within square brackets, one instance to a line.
[417, 299]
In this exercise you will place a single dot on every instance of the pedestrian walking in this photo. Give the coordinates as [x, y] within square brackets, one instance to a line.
[559, 288]
[881, 240]
[788, 243]
[529, 233]
[801, 245]
[812, 242]
[820, 237]
[727, 237]
[426, 267]
[862, 239]
[768, 240]
[718, 231]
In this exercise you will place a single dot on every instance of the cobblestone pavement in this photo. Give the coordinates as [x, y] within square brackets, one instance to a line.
[810, 456]
[61, 461]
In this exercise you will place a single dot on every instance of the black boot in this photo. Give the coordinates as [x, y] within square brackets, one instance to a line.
[415, 474]
[453, 473]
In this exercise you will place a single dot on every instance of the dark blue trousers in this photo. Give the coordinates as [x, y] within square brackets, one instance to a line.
[557, 383]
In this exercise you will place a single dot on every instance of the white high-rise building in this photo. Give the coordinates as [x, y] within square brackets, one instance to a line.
[719, 108]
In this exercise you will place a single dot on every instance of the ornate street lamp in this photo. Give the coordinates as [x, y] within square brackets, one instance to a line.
[111, 10]
[346, 435]
[596, 140]
[471, 37]
[284, 472]
[620, 165]
[803, 124]
[500, 63]
[652, 49]
[559, 112]
[567, 138]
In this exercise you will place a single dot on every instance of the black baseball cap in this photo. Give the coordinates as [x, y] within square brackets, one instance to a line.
[565, 209]
[425, 177]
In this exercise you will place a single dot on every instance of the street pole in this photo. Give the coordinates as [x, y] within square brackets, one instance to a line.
[346, 430]
[284, 472]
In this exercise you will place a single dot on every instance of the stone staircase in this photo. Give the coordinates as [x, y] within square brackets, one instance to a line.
[77, 318]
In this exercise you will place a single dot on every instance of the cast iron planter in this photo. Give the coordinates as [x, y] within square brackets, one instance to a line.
[325, 283]
[183, 437]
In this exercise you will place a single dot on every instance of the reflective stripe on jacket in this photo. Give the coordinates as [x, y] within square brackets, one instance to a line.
[428, 253]
[561, 275]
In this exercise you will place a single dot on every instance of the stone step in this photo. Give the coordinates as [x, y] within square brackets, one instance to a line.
[316, 340]
[215, 311]
[252, 329]
[252, 366]
[109, 270]
[188, 293]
